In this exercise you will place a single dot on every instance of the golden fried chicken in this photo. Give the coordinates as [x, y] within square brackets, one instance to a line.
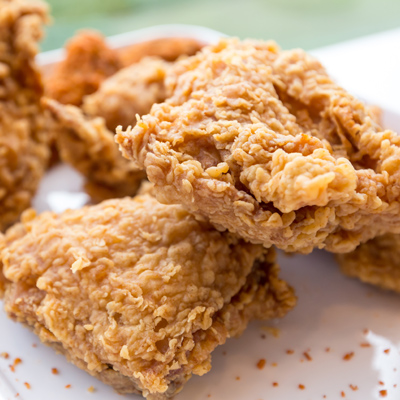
[87, 144]
[168, 49]
[266, 145]
[24, 152]
[88, 62]
[137, 293]
[129, 92]
[376, 262]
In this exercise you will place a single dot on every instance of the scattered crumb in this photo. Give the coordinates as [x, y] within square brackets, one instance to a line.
[54, 371]
[289, 351]
[387, 351]
[34, 345]
[5, 355]
[274, 364]
[365, 344]
[238, 378]
[343, 394]
[91, 389]
[17, 395]
[395, 385]
[275, 332]
[301, 387]
[365, 331]
[209, 395]
[324, 396]
[275, 384]
[27, 385]
[353, 387]
[68, 387]
[394, 369]
[261, 363]
[16, 362]
[383, 393]
[348, 356]
[301, 360]
[381, 383]
[224, 353]
[327, 349]
[263, 336]
[307, 356]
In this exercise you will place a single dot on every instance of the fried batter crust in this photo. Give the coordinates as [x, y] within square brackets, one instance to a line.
[376, 262]
[88, 62]
[24, 152]
[87, 144]
[129, 92]
[135, 292]
[266, 145]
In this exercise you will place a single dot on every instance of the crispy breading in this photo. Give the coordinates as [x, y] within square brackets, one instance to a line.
[24, 152]
[376, 262]
[135, 292]
[168, 49]
[88, 62]
[129, 92]
[266, 145]
[87, 144]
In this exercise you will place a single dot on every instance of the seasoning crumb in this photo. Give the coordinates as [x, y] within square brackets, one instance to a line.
[209, 395]
[353, 387]
[263, 336]
[307, 356]
[381, 383]
[273, 331]
[68, 387]
[395, 385]
[261, 363]
[274, 364]
[324, 396]
[238, 378]
[27, 385]
[387, 351]
[365, 331]
[91, 389]
[275, 384]
[289, 351]
[5, 355]
[16, 362]
[365, 344]
[224, 353]
[17, 395]
[343, 394]
[383, 393]
[54, 371]
[34, 345]
[327, 349]
[348, 356]
[301, 387]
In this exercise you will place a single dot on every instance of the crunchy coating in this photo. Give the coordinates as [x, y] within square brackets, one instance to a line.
[376, 262]
[135, 292]
[168, 49]
[87, 144]
[129, 92]
[88, 62]
[265, 144]
[24, 152]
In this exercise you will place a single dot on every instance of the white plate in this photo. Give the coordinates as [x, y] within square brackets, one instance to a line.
[334, 316]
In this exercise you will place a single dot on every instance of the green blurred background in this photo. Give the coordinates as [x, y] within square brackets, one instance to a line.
[292, 23]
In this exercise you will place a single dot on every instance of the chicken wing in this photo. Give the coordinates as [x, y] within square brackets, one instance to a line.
[24, 152]
[137, 293]
[263, 143]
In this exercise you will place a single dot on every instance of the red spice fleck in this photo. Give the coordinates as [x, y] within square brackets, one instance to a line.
[67, 386]
[17, 395]
[365, 344]
[301, 387]
[383, 393]
[343, 394]
[289, 351]
[307, 356]
[365, 331]
[381, 383]
[328, 349]
[274, 384]
[274, 364]
[348, 356]
[387, 351]
[395, 385]
[27, 385]
[34, 345]
[261, 363]
[324, 396]
[54, 371]
[238, 378]
[209, 395]
[353, 387]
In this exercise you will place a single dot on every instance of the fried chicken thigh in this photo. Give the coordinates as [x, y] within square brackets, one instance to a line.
[376, 262]
[137, 293]
[23, 136]
[263, 143]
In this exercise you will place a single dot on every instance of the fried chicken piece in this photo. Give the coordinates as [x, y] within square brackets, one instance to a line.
[376, 262]
[266, 145]
[87, 144]
[137, 293]
[24, 150]
[168, 49]
[129, 92]
[88, 62]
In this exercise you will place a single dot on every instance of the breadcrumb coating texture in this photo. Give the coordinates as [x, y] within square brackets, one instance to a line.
[24, 152]
[376, 262]
[263, 143]
[135, 292]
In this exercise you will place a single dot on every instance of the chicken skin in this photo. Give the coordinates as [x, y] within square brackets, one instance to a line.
[23, 135]
[137, 293]
[263, 143]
